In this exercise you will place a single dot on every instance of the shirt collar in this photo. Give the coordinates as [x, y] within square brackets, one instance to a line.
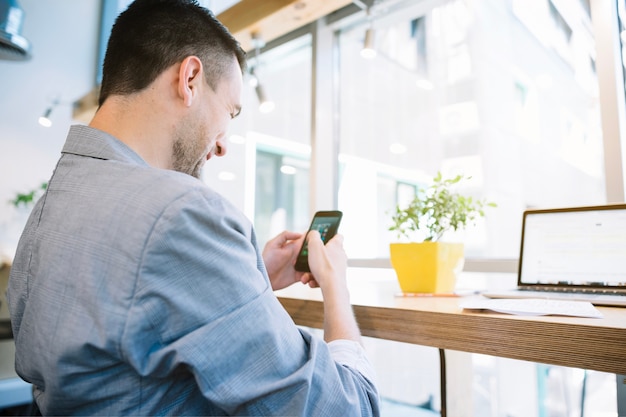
[87, 141]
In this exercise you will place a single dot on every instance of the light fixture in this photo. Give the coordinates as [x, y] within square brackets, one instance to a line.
[44, 119]
[369, 50]
[253, 81]
[13, 46]
[265, 104]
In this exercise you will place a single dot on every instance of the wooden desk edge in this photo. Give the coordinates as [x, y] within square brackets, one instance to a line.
[557, 343]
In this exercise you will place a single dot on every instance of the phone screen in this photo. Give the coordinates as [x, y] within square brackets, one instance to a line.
[326, 223]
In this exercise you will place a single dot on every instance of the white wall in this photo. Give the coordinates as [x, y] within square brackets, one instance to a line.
[64, 41]
[63, 36]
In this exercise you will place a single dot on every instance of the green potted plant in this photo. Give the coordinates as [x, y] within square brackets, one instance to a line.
[29, 198]
[11, 229]
[422, 261]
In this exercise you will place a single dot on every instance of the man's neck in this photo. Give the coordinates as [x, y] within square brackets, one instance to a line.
[141, 130]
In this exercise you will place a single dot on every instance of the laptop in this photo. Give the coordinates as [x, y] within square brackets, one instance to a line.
[575, 253]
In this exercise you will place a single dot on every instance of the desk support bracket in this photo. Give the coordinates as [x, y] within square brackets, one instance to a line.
[621, 395]
[442, 384]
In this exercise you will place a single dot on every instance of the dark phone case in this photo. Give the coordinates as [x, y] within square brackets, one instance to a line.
[302, 262]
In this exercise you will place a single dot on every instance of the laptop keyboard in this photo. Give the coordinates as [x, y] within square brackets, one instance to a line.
[611, 298]
[586, 291]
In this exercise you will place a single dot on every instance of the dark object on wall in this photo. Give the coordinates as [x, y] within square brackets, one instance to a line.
[13, 46]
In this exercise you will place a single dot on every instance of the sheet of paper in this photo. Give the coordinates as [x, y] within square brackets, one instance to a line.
[535, 307]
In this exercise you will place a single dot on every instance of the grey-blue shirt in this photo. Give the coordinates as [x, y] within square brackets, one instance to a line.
[140, 291]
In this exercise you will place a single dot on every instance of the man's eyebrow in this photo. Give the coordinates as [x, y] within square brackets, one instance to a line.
[236, 113]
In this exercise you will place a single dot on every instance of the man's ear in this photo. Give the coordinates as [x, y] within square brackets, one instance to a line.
[189, 79]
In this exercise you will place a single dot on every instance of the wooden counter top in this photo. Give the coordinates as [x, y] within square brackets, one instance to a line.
[588, 343]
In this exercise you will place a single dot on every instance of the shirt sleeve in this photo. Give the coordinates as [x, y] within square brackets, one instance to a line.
[204, 304]
[351, 354]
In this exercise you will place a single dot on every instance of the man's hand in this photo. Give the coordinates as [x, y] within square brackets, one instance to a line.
[280, 255]
[327, 262]
[329, 265]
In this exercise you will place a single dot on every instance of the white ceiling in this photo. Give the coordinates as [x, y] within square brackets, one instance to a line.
[218, 6]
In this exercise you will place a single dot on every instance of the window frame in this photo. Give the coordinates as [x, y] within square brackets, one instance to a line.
[325, 117]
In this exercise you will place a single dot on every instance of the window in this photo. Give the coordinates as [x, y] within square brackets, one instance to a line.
[471, 88]
[266, 171]
[506, 92]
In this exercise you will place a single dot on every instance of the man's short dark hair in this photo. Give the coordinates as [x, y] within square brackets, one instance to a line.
[152, 35]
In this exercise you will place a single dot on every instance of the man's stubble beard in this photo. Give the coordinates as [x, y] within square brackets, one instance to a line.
[188, 155]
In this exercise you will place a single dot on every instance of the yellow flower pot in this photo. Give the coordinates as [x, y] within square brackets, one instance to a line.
[427, 267]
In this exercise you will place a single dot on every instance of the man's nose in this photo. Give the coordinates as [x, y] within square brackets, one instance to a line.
[220, 147]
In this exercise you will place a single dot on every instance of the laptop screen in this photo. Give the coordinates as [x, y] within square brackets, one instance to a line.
[582, 246]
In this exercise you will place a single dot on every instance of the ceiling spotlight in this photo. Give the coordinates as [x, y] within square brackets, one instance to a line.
[369, 51]
[44, 119]
[265, 105]
[253, 80]
[13, 46]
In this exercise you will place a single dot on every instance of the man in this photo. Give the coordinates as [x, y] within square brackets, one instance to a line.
[138, 290]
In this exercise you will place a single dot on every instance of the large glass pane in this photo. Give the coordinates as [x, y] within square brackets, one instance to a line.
[266, 170]
[504, 92]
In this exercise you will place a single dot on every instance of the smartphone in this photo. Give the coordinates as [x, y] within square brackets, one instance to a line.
[326, 223]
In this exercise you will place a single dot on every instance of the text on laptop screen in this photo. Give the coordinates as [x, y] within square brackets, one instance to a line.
[586, 247]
